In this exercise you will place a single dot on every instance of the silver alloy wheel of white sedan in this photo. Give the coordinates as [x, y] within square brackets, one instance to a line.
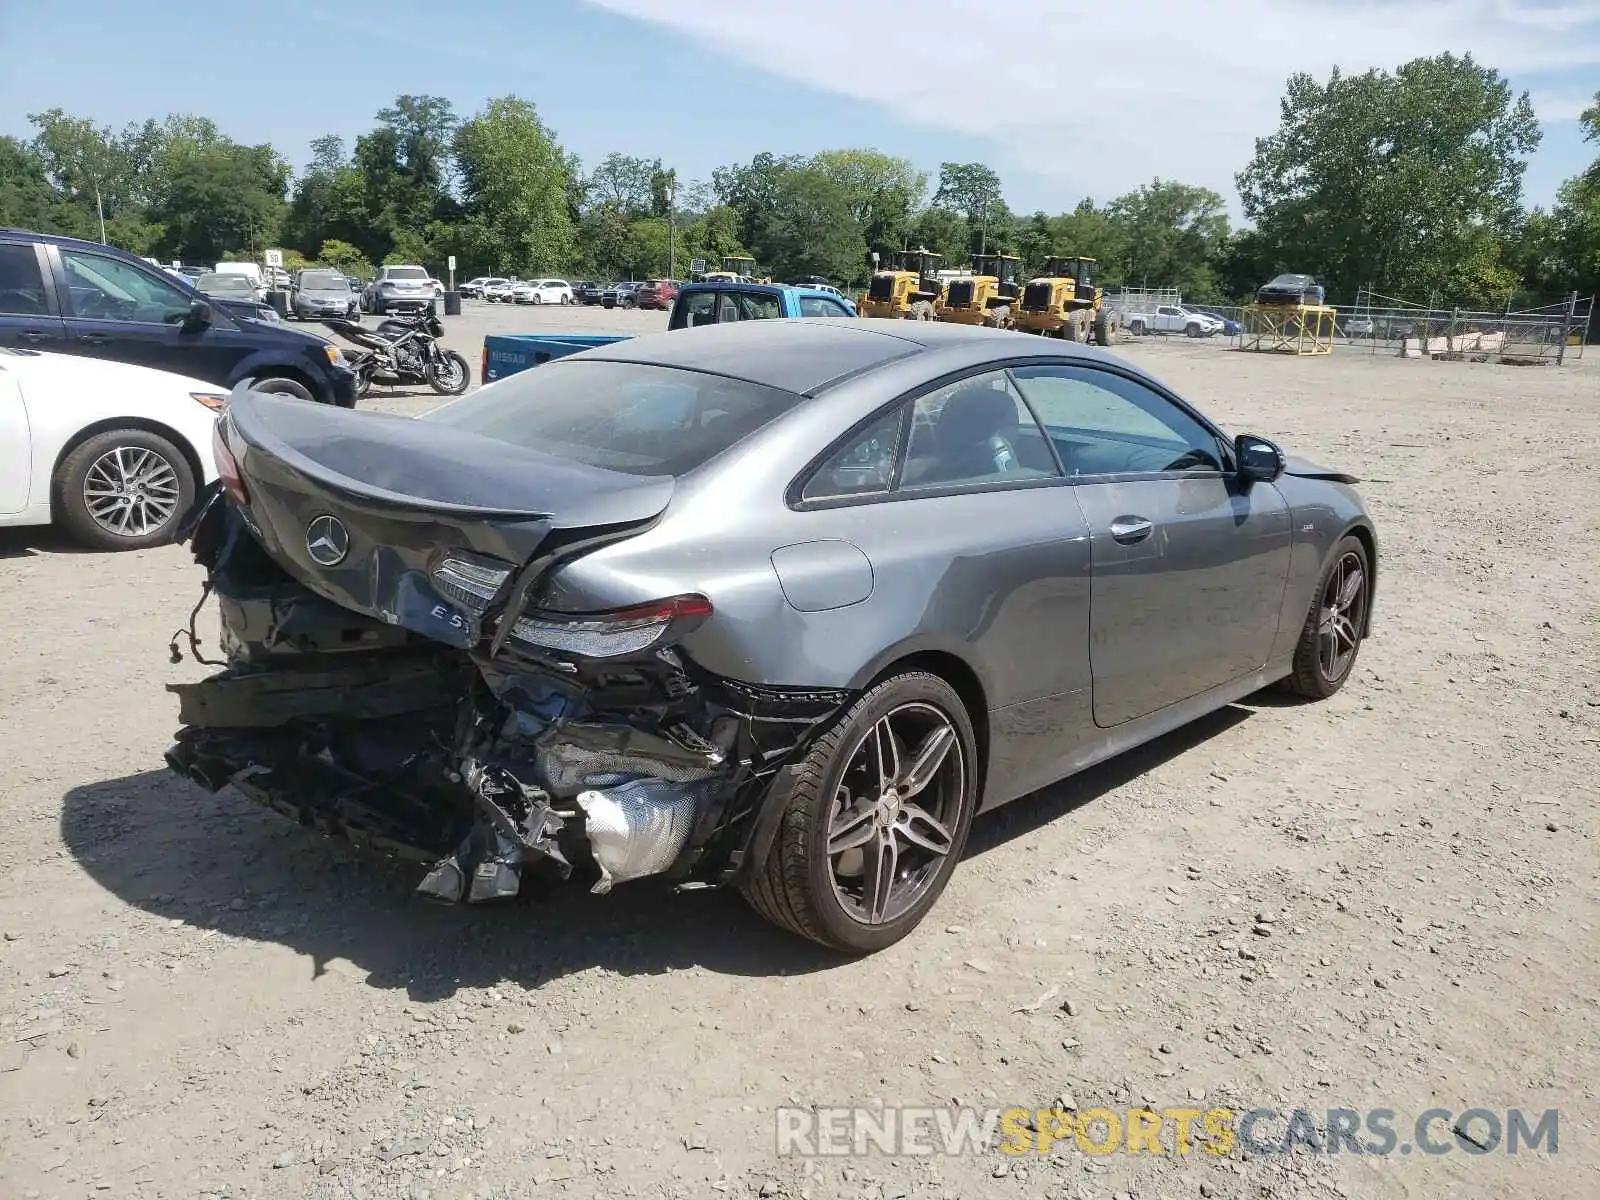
[131, 491]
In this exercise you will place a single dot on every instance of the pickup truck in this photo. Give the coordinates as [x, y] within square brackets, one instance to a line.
[697, 304]
[1174, 318]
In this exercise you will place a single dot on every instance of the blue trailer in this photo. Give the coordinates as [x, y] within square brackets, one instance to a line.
[697, 304]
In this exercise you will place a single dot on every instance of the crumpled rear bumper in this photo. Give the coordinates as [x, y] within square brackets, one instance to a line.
[486, 768]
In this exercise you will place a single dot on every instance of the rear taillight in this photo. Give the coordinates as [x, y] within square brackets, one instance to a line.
[609, 634]
[471, 581]
[228, 467]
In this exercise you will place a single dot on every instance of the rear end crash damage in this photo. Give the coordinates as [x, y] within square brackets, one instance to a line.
[490, 762]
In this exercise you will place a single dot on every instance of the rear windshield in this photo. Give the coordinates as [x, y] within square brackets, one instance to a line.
[404, 273]
[224, 283]
[630, 417]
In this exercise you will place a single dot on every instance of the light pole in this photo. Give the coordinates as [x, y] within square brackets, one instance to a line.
[672, 246]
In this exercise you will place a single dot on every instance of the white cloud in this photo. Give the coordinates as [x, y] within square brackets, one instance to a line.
[1106, 96]
[1561, 106]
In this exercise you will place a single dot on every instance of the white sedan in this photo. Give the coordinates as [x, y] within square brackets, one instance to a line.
[543, 291]
[112, 453]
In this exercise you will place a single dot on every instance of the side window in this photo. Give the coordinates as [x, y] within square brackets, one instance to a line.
[977, 430]
[110, 290]
[21, 282]
[757, 306]
[865, 465]
[1102, 423]
[698, 309]
[816, 306]
[835, 309]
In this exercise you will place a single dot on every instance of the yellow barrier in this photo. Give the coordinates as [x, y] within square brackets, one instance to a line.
[1288, 328]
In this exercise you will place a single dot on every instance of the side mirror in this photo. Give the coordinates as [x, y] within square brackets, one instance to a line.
[200, 315]
[1260, 461]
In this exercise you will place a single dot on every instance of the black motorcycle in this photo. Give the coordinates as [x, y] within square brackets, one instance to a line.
[404, 350]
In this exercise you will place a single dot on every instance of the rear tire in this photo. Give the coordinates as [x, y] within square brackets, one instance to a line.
[804, 888]
[153, 474]
[1104, 331]
[1330, 640]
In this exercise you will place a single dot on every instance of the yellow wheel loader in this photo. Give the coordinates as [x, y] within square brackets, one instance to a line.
[988, 296]
[736, 268]
[909, 289]
[1063, 301]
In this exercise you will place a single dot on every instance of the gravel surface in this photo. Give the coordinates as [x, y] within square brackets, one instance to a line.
[1387, 900]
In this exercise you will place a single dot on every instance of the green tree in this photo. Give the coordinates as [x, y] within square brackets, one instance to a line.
[29, 201]
[973, 190]
[1168, 235]
[1406, 181]
[751, 189]
[625, 183]
[810, 229]
[1560, 250]
[942, 231]
[219, 199]
[344, 256]
[883, 193]
[514, 184]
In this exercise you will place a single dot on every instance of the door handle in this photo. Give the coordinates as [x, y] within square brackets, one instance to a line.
[94, 339]
[1130, 530]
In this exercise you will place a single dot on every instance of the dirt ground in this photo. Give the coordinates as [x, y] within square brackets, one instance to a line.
[1385, 901]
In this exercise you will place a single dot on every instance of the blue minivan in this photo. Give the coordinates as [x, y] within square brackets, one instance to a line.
[70, 296]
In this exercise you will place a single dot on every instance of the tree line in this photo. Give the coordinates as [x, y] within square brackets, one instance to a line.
[1408, 182]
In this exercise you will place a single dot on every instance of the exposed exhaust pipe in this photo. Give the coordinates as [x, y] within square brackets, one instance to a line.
[213, 774]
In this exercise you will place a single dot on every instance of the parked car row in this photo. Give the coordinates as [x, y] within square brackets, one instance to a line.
[649, 293]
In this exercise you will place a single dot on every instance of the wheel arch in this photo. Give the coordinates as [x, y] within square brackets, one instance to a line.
[272, 370]
[107, 425]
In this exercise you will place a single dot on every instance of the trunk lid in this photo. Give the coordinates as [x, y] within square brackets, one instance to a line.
[362, 507]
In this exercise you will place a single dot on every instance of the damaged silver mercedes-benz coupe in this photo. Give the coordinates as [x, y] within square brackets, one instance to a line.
[775, 604]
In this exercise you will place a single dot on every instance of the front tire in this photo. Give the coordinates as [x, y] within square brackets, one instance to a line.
[1104, 330]
[1331, 638]
[280, 386]
[874, 820]
[449, 375]
[125, 489]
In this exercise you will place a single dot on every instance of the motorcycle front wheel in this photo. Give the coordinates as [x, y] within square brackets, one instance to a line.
[449, 374]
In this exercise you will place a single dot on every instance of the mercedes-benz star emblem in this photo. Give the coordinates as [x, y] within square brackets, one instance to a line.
[327, 541]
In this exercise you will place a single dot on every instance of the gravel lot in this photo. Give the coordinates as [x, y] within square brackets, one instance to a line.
[1388, 900]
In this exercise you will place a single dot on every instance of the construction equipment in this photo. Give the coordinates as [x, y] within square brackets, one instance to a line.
[736, 268]
[987, 296]
[910, 289]
[1064, 301]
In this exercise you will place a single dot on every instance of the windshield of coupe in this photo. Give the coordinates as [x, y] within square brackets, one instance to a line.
[630, 417]
[239, 284]
[322, 281]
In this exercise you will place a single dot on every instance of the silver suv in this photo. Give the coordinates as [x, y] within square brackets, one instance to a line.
[398, 289]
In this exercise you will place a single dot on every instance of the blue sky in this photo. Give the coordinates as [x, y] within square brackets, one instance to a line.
[1179, 91]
